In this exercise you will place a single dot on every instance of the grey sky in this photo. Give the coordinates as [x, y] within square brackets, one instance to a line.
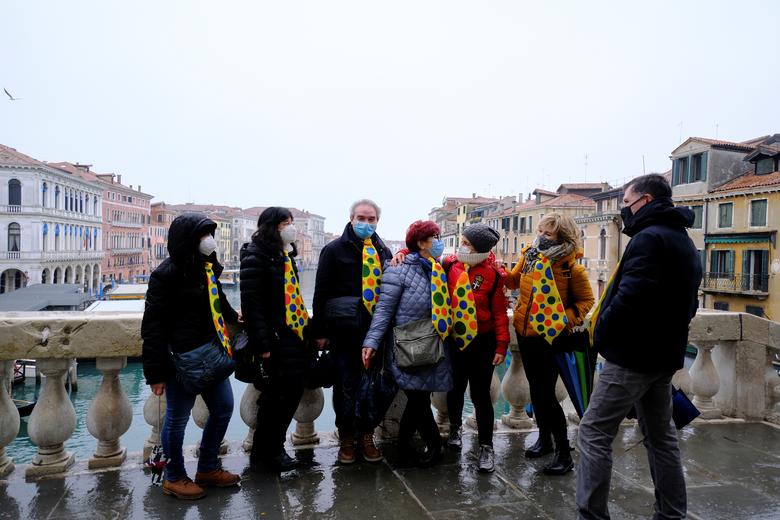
[316, 103]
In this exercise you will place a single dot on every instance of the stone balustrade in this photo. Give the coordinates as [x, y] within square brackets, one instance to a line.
[733, 376]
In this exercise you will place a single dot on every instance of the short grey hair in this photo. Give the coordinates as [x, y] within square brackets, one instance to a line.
[364, 202]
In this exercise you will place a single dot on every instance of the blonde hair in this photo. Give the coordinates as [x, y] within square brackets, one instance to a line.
[563, 226]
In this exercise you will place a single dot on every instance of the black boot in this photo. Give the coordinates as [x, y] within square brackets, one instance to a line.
[433, 453]
[561, 464]
[541, 447]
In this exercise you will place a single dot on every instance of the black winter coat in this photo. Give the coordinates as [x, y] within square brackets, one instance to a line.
[177, 314]
[643, 325]
[262, 298]
[340, 273]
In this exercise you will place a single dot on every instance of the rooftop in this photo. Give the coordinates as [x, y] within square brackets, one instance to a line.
[750, 180]
[740, 482]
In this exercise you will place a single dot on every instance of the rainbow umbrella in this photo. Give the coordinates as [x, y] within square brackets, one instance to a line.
[576, 371]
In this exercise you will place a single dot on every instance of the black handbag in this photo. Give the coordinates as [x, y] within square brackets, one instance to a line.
[203, 367]
[247, 361]
[375, 394]
[344, 312]
[322, 372]
[417, 345]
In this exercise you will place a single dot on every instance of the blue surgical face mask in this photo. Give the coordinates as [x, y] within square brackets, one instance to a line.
[437, 248]
[363, 230]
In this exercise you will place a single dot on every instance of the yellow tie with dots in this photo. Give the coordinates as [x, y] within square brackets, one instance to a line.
[464, 328]
[216, 309]
[440, 300]
[547, 314]
[372, 275]
[296, 315]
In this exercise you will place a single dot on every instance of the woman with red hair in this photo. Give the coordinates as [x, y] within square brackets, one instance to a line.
[414, 291]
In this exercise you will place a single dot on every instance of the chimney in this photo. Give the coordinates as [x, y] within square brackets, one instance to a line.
[520, 197]
[473, 195]
[139, 187]
[119, 179]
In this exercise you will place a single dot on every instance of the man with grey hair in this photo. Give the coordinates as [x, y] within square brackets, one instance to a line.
[346, 291]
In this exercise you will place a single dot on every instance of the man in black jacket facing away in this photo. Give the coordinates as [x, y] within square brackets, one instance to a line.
[642, 330]
[342, 318]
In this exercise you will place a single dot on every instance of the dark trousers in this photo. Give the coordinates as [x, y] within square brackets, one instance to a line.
[473, 366]
[542, 373]
[619, 389]
[349, 366]
[279, 398]
[418, 417]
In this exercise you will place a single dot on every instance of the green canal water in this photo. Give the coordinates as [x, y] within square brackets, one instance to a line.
[82, 444]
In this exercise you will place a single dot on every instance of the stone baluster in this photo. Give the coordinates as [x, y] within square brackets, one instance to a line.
[310, 407]
[682, 380]
[705, 381]
[109, 415]
[154, 415]
[517, 394]
[772, 390]
[439, 402]
[52, 421]
[248, 411]
[200, 414]
[9, 417]
[495, 390]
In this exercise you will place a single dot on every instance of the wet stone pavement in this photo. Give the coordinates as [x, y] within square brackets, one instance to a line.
[732, 471]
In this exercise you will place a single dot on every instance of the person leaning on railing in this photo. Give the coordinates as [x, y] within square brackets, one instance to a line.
[183, 309]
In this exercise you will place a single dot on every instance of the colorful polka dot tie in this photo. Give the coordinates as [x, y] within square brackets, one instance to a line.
[547, 314]
[440, 300]
[216, 309]
[296, 315]
[372, 274]
[464, 328]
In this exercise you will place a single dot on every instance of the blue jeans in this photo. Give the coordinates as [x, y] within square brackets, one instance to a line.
[617, 390]
[219, 400]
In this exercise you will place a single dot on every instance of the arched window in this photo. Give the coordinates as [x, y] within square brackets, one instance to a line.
[14, 192]
[603, 244]
[44, 189]
[14, 236]
[56, 197]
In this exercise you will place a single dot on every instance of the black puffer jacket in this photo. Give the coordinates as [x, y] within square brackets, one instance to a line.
[177, 316]
[340, 273]
[645, 315]
[262, 298]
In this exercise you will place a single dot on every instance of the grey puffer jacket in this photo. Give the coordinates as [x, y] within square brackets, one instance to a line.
[406, 297]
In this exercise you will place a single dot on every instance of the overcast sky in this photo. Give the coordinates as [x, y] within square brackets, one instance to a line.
[313, 104]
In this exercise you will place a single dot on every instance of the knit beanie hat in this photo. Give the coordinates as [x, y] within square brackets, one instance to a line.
[482, 237]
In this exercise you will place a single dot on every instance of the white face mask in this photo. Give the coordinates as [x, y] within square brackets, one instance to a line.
[467, 256]
[288, 234]
[207, 246]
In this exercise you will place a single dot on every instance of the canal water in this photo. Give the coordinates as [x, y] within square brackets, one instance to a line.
[82, 444]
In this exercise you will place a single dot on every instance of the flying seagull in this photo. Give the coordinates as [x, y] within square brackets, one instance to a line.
[10, 97]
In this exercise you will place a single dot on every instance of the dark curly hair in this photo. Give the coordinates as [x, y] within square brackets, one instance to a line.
[420, 230]
[268, 228]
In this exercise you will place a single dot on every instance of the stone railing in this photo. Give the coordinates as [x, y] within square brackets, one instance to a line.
[733, 375]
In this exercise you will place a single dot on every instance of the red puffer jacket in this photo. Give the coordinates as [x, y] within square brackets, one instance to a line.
[488, 287]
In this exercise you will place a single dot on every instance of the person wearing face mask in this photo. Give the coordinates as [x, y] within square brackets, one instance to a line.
[349, 277]
[186, 309]
[413, 291]
[277, 328]
[658, 275]
[558, 244]
[480, 334]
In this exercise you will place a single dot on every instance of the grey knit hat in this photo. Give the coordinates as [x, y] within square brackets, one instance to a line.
[482, 237]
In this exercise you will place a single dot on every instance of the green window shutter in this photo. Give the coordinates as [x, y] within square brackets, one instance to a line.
[675, 172]
[704, 166]
[746, 257]
[687, 175]
[731, 258]
[713, 261]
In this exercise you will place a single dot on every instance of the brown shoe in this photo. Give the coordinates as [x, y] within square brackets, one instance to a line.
[185, 489]
[347, 450]
[370, 452]
[217, 478]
